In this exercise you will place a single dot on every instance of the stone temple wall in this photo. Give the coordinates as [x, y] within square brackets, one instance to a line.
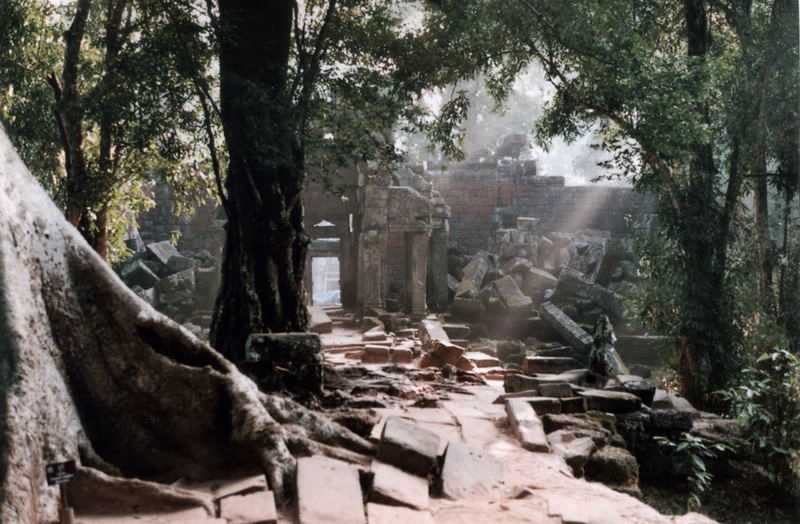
[483, 198]
[198, 232]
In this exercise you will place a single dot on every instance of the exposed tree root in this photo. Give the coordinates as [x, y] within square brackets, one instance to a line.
[91, 372]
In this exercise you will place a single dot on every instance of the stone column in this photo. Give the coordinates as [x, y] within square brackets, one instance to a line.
[371, 248]
[416, 273]
[437, 267]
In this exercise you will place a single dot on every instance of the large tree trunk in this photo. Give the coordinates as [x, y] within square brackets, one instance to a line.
[265, 247]
[91, 372]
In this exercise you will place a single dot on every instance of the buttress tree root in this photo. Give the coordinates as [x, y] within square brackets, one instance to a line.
[91, 372]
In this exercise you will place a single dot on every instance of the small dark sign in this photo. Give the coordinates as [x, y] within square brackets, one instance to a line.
[60, 472]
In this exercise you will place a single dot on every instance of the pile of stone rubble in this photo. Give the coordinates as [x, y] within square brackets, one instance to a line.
[182, 286]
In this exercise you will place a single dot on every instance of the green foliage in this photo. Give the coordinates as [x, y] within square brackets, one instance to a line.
[141, 67]
[768, 402]
[695, 453]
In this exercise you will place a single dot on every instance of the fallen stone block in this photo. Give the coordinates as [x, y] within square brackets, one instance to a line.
[162, 251]
[516, 265]
[457, 331]
[644, 388]
[536, 280]
[328, 490]
[573, 405]
[138, 274]
[382, 514]
[408, 446]
[571, 332]
[514, 383]
[395, 487]
[537, 364]
[174, 297]
[431, 330]
[482, 360]
[468, 472]
[180, 281]
[572, 283]
[545, 405]
[526, 425]
[511, 296]
[319, 321]
[148, 295]
[537, 328]
[375, 354]
[180, 263]
[611, 401]
[556, 389]
[474, 272]
[402, 355]
[258, 507]
[574, 449]
[375, 334]
[241, 486]
[614, 467]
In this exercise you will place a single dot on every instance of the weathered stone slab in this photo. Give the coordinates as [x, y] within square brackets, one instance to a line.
[468, 472]
[482, 360]
[319, 321]
[402, 355]
[375, 354]
[512, 296]
[514, 383]
[328, 490]
[571, 332]
[138, 274]
[615, 467]
[395, 487]
[281, 361]
[431, 330]
[545, 405]
[180, 281]
[162, 251]
[456, 331]
[536, 280]
[148, 295]
[611, 401]
[557, 389]
[408, 446]
[375, 334]
[574, 449]
[474, 272]
[382, 514]
[573, 405]
[572, 283]
[526, 425]
[241, 486]
[644, 388]
[537, 364]
[258, 507]
[180, 263]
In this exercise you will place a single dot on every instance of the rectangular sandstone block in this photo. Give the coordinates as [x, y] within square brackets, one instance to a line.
[469, 472]
[537, 364]
[395, 487]
[571, 332]
[408, 446]
[526, 425]
[328, 490]
[258, 507]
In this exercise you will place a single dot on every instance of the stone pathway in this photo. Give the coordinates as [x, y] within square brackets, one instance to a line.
[459, 459]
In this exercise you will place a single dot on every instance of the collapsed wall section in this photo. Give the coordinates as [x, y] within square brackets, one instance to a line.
[484, 197]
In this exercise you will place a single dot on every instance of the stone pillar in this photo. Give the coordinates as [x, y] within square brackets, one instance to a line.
[437, 258]
[437, 268]
[416, 273]
[371, 248]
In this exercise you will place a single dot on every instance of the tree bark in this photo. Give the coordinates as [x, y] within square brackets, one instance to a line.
[265, 247]
[88, 371]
